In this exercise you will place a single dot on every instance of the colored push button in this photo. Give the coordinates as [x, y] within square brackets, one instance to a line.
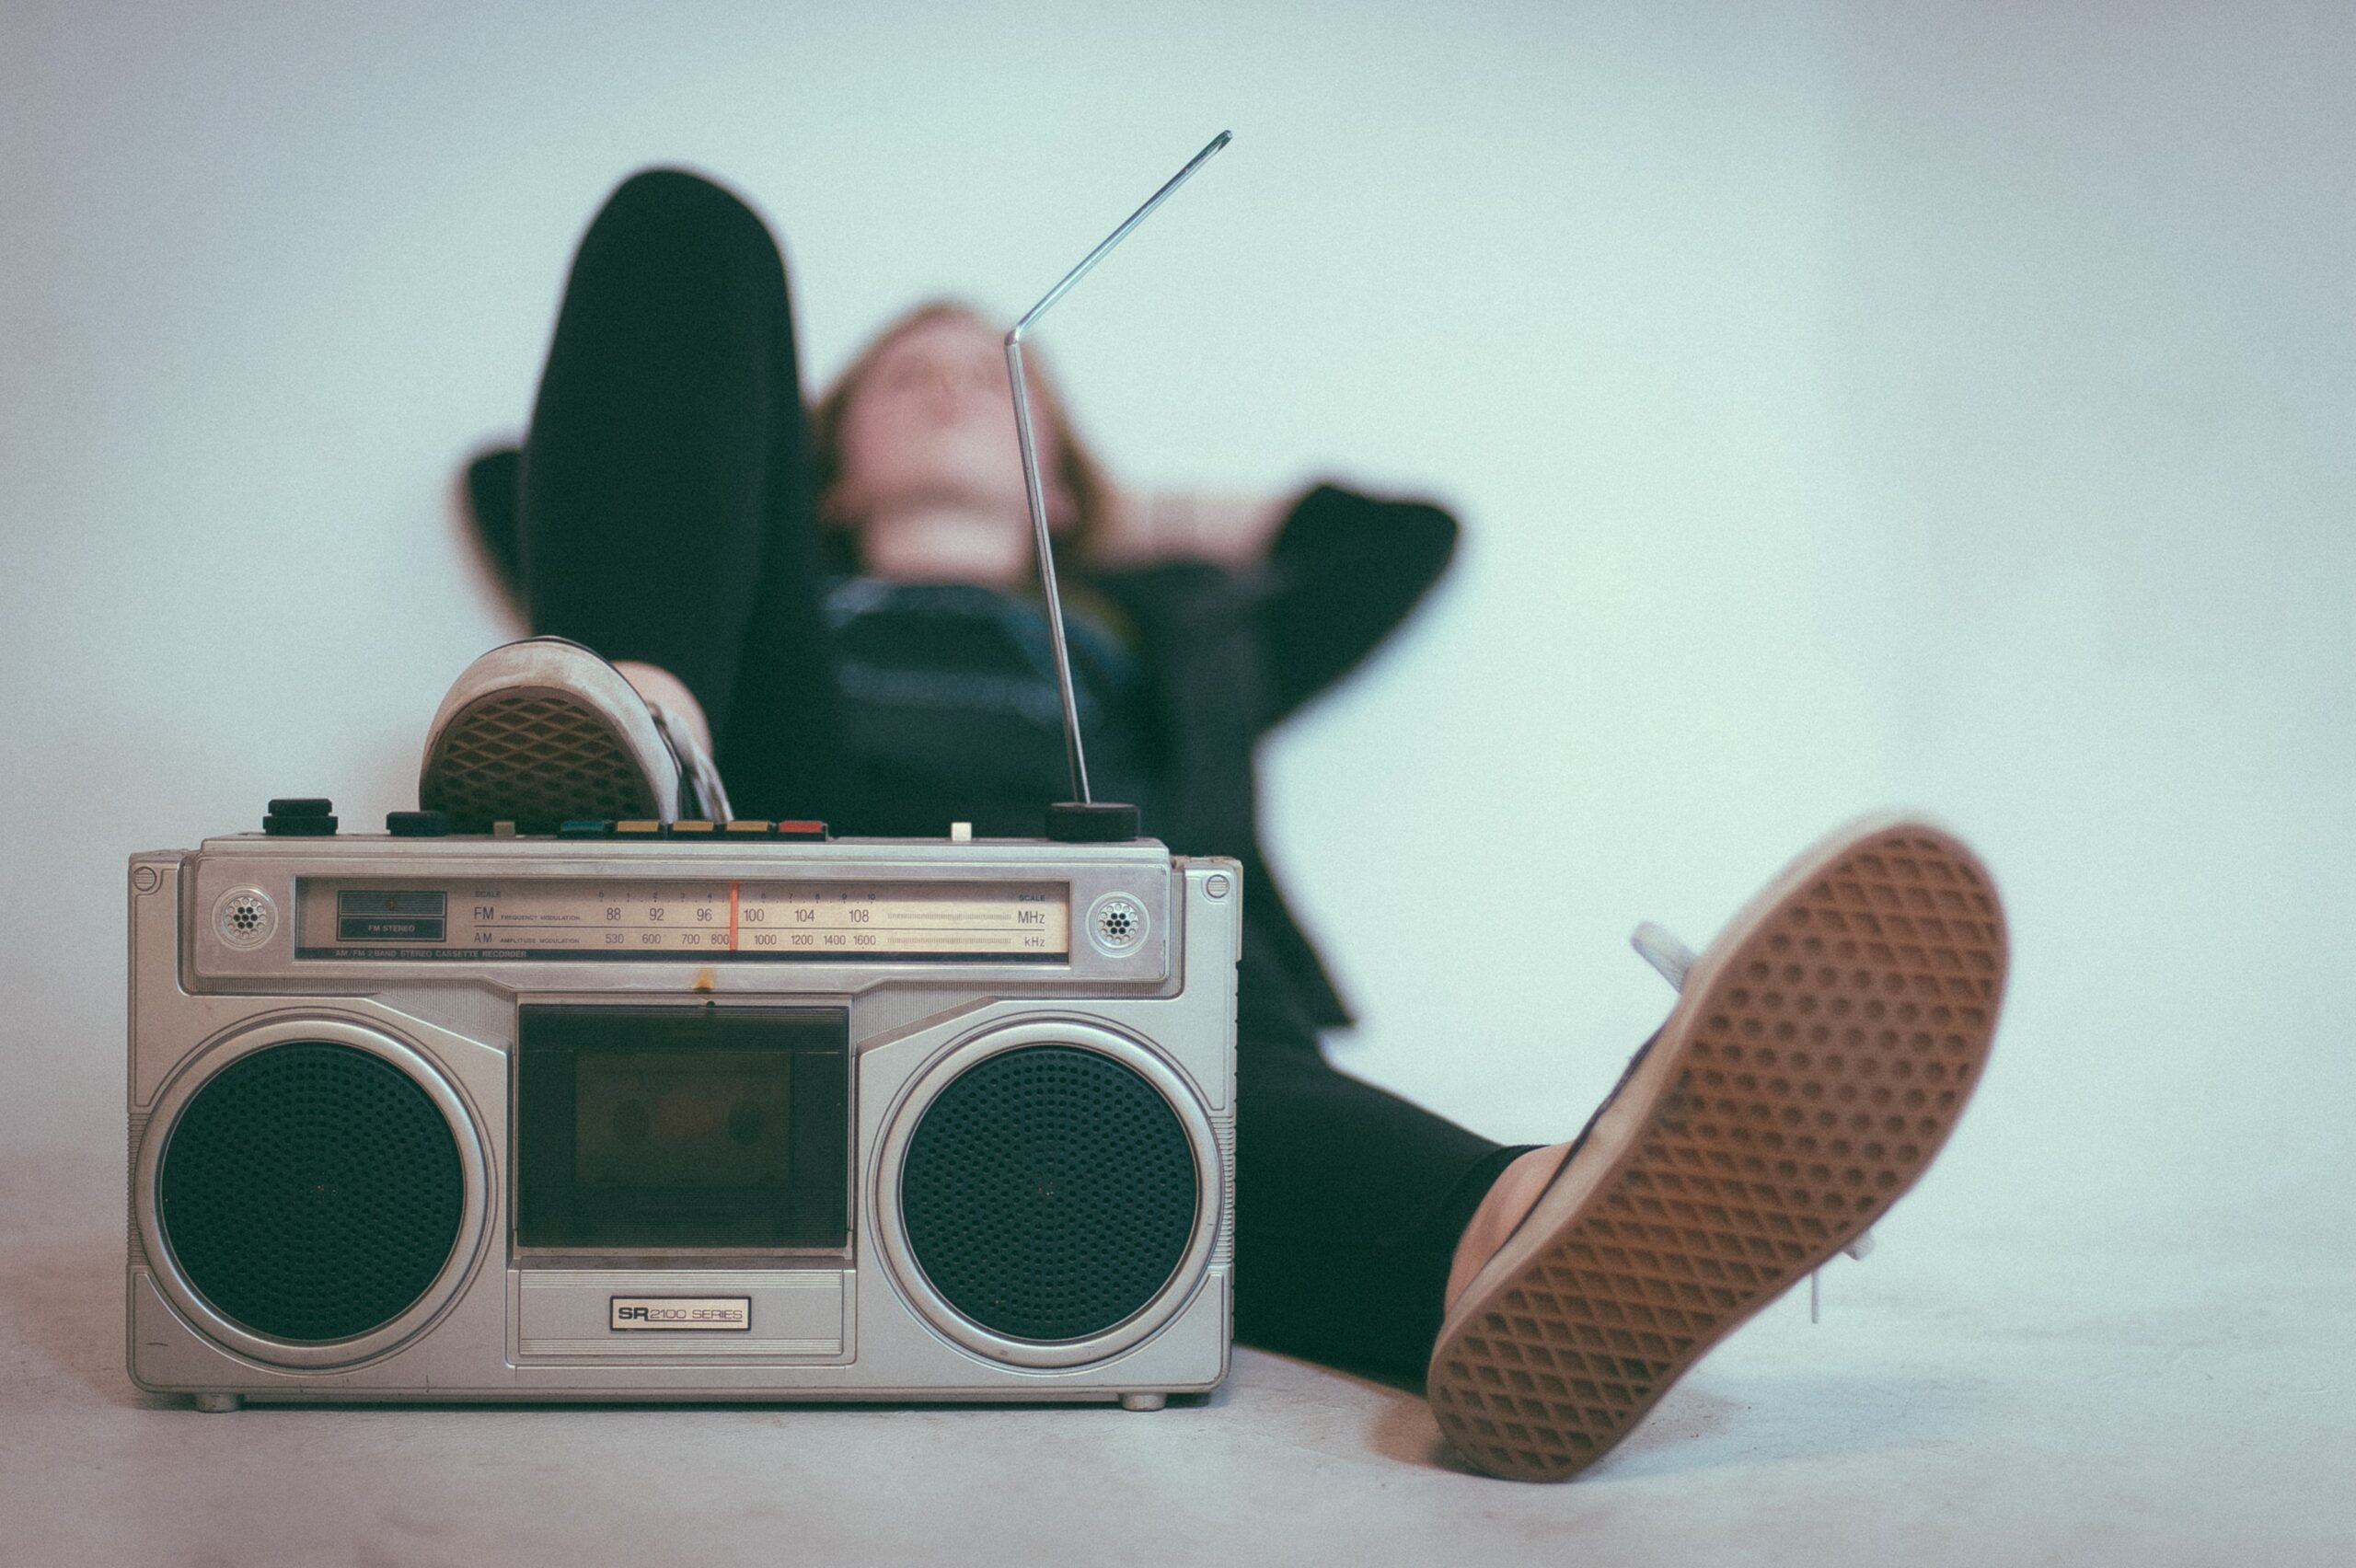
[747, 827]
[417, 825]
[696, 829]
[805, 831]
[302, 816]
[638, 829]
[584, 827]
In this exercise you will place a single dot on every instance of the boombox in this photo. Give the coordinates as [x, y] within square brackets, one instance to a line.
[701, 1115]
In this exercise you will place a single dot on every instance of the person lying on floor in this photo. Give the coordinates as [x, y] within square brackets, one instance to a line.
[749, 605]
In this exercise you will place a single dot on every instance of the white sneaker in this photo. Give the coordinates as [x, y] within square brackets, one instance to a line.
[1818, 1055]
[543, 731]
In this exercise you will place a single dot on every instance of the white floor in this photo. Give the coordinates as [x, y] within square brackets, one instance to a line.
[1847, 403]
[1966, 1398]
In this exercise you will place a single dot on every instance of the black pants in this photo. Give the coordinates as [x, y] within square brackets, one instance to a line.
[667, 517]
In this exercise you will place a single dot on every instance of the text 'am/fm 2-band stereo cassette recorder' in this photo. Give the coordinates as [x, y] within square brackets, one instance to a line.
[685, 1112]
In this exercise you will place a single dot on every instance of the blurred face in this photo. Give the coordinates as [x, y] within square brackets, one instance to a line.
[930, 427]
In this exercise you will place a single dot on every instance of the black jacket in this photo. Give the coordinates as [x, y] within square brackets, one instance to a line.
[1233, 653]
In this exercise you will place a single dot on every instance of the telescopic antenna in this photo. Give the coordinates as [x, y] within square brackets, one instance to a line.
[1081, 819]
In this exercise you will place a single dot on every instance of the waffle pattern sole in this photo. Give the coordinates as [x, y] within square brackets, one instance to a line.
[1819, 1058]
[534, 759]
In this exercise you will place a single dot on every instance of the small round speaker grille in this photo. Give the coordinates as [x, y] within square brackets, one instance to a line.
[244, 918]
[1048, 1192]
[310, 1192]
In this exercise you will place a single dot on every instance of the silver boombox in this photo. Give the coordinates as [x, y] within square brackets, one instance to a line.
[698, 1111]
[691, 1117]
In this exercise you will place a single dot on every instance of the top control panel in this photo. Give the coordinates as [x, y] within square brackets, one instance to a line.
[754, 901]
[312, 816]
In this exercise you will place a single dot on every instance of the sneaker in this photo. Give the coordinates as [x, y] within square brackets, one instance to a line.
[541, 732]
[1819, 1055]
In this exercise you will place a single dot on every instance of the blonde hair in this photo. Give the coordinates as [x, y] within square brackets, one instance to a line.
[1072, 465]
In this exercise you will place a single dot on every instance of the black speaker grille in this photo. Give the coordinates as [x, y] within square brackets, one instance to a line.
[310, 1192]
[1048, 1192]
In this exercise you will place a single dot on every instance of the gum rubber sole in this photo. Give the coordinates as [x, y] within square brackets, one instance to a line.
[532, 757]
[542, 730]
[1820, 1053]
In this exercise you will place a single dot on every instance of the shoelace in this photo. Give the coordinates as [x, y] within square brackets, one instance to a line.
[1660, 947]
[702, 777]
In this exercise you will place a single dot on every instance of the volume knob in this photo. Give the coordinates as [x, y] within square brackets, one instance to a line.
[300, 816]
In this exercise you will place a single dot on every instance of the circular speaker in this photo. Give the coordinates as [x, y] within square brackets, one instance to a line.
[1049, 1192]
[311, 1190]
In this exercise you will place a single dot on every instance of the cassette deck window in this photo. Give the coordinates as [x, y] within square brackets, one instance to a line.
[684, 1128]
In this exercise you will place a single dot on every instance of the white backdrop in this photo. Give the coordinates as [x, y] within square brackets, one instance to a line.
[1846, 404]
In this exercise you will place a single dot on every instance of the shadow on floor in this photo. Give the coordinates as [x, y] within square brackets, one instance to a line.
[1705, 1425]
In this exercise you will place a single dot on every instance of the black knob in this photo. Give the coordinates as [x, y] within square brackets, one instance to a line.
[279, 825]
[417, 825]
[301, 806]
[1096, 822]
